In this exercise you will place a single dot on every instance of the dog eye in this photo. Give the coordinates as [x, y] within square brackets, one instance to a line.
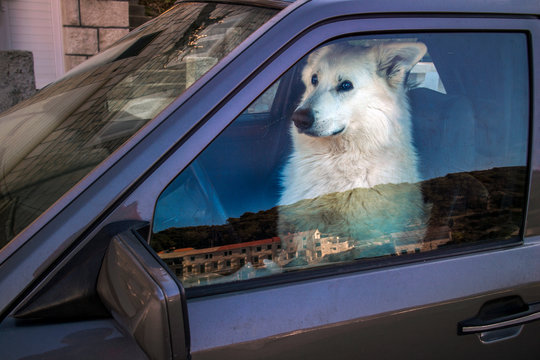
[345, 86]
[314, 79]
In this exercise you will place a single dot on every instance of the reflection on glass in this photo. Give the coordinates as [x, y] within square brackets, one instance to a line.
[57, 137]
[464, 208]
[220, 219]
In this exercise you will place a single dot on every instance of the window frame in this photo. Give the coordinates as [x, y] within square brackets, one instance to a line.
[270, 72]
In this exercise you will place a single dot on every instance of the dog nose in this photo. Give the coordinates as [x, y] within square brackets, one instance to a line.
[303, 118]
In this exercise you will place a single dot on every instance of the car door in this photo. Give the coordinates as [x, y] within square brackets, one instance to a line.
[469, 290]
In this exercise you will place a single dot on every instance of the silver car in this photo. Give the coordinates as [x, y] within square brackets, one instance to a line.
[140, 194]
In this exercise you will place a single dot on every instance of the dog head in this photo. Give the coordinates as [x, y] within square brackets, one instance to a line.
[346, 85]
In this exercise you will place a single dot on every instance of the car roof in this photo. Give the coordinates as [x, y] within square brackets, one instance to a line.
[275, 4]
[503, 7]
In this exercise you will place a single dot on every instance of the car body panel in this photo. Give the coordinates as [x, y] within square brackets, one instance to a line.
[357, 296]
[408, 333]
[101, 339]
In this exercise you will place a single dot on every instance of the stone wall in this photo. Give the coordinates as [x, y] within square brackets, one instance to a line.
[91, 26]
[17, 77]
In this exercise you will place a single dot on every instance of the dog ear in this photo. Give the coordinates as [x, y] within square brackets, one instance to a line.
[396, 59]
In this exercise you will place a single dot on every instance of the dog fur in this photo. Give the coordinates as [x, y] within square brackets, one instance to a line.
[352, 130]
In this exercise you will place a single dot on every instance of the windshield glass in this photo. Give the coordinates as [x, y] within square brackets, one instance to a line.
[53, 140]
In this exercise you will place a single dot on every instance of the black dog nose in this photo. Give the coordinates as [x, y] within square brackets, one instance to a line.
[303, 118]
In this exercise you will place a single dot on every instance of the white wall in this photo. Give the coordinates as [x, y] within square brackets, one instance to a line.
[35, 25]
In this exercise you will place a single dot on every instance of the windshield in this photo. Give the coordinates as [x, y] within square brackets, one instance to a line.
[53, 140]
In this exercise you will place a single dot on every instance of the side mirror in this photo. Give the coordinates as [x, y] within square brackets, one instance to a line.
[144, 298]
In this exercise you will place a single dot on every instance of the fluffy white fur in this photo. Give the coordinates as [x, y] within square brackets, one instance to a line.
[353, 168]
[372, 144]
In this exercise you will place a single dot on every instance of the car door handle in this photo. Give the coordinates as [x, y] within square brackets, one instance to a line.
[500, 314]
[468, 327]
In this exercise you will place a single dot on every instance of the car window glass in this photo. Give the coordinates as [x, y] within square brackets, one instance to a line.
[57, 137]
[374, 147]
[264, 103]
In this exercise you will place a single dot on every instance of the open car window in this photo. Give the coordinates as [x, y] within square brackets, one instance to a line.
[370, 147]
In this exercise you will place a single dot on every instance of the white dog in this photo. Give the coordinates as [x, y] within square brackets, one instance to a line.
[352, 130]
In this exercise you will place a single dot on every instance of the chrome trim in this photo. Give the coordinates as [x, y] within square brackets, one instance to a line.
[506, 323]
